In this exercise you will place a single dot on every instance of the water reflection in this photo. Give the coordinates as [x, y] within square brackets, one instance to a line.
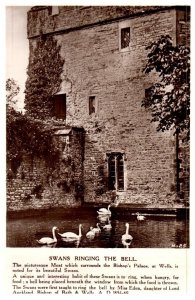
[126, 244]
[68, 244]
[153, 232]
[108, 226]
[54, 245]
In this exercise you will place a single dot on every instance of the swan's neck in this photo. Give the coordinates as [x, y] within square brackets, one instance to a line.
[80, 234]
[54, 234]
[127, 229]
[98, 225]
[109, 207]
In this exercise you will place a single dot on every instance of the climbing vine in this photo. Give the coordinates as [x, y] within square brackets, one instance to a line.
[30, 133]
[28, 136]
[44, 77]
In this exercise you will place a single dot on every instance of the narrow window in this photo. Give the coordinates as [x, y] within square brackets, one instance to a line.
[92, 105]
[116, 171]
[60, 106]
[120, 172]
[125, 37]
[111, 172]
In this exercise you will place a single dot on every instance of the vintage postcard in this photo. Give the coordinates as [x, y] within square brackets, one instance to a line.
[98, 149]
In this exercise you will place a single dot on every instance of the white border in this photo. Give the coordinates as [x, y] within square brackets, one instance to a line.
[191, 283]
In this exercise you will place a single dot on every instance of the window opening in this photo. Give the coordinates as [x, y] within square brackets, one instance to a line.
[60, 106]
[92, 105]
[125, 37]
[116, 171]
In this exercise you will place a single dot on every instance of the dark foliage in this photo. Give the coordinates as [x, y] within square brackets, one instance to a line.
[27, 133]
[169, 99]
[44, 77]
[28, 136]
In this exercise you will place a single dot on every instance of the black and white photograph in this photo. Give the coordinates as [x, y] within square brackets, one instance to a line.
[97, 126]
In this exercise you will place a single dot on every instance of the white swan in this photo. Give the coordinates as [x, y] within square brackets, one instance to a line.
[49, 240]
[91, 233]
[126, 237]
[104, 211]
[108, 226]
[71, 236]
[96, 229]
[103, 219]
[140, 217]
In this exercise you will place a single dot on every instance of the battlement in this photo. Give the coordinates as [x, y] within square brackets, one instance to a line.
[55, 19]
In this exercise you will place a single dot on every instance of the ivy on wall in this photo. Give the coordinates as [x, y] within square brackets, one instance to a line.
[28, 136]
[31, 132]
[44, 77]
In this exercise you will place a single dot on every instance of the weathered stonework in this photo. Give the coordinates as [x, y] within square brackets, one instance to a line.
[96, 66]
[39, 184]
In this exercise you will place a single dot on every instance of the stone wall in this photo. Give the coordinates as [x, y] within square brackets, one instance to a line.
[41, 184]
[183, 26]
[96, 66]
[68, 18]
[184, 171]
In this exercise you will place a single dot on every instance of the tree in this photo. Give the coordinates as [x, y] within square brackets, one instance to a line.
[44, 77]
[169, 99]
[12, 90]
[28, 134]
[25, 135]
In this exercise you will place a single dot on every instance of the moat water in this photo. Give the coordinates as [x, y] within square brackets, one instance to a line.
[155, 231]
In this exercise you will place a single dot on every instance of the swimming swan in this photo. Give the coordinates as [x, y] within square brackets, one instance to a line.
[104, 211]
[103, 219]
[48, 240]
[140, 217]
[91, 233]
[108, 226]
[96, 229]
[126, 237]
[71, 236]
